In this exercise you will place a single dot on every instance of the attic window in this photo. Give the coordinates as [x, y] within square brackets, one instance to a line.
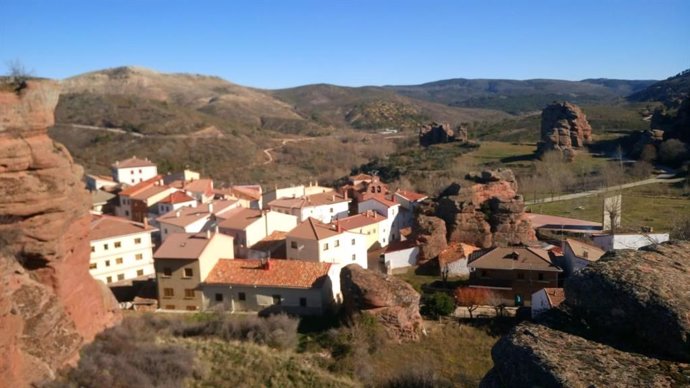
[585, 254]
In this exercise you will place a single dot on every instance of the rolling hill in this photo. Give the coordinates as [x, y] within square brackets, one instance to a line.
[667, 91]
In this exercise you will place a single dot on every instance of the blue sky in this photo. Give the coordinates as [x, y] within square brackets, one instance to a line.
[282, 43]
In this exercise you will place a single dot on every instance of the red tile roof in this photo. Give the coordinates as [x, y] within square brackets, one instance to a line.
[141, 186]
[319, 199]
[411, 195]
[203, 185]
[277, 273]
[104, 226]
[556, 296]
[359, 220]
[313, 229]
[381, 198]
[177, 197]
[133, 162]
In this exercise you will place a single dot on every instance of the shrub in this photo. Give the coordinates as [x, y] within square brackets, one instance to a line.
[672, 151]
[417, 379]
[438, 304]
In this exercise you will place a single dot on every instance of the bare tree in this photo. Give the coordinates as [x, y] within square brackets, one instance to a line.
[18, 74]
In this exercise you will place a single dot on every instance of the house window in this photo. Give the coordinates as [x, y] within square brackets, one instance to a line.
[354, 257]
[105, 247]
[325, 246]
[93, 249]
[107, 263]
[127, 213]
[120, 276]
[168, 292]
[293, 244]
[188, 293]
[170, 307]
[139, 256]
[131, 172]
[137, 240]
[219, 297]
[337, 243]
[277, 299]
[109, 279]
[331, 210]
[540, 276]
[303, 302]
[585, 254]
[167, 272]
[118, 260]
[188, 272]
[484, 273]
[521, 275]
[139, 171]
[353, 241]
[93, 265]
[191, 308]
[118, 244]
[140, 272]
[241, 296]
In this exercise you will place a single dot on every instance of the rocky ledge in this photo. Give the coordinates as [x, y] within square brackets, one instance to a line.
[625, 322]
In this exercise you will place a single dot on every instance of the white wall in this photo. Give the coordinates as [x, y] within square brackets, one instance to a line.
[128, 252]
[402, 258]
[392, 214]
[168, 207]
[628, 241]
[338, 249]
[134, 175]
[325, 213]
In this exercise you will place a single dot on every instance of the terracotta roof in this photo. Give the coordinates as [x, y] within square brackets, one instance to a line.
[104, 226]
[150, 192]
[381, 198]
[187, 246]
[249, 191]
[274, 243]
[133, 162]
[313, 229]
[319, 199]
[203, 185]
[585, 251]
[411, 195]
[555, 296]
[468, 249]
[510, 258]
[359, 220]
[239, 218]
[142, 186]
[177, 197]
[187, 215]
[277, 273]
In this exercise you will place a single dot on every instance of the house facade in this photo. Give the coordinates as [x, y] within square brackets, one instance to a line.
[325, 207]
[387, 208]
[546, 299]
[174, 201]
[370, 224]
[409, 201]
[133, 170]
[193, 219]
[578, 255]
[249, 226]
[182, 262]
[313, 240]
[120, 249]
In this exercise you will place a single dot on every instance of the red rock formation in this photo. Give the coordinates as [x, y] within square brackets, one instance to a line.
[430, 235]
[49, 303]
[434, 133]
[564, 128]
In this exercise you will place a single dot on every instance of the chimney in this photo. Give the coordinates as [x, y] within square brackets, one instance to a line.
[333, 198]
[345, 194]
[338, 228]
[146, 223]
[216, 229]
[177, 213]
[210, 208]
[208, 234]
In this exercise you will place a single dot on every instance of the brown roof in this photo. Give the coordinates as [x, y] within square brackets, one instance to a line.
[149, 192]
[556, 296]
[411, 195]
[187, 215]
[277, 273]
[142, 186]
[381, 198]
[562, 223]
[187, 246]
[585, 251]
[239, 218]
[177, 197]
[510, 258]
[203, 185]
[318, 199]
[361, 177]
[359, 220]
[99, 197]
[133, 162]
[104, 226]
[313, 229]
[273, 243]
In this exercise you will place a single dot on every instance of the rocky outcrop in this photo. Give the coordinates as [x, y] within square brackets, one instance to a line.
[435, 133]
[49, 303]
[430, 235]
[625, 322]
[391, 301]
[484, 210]
[564, 128]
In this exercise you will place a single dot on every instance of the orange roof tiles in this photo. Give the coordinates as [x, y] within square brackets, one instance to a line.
[141, 186]
[203, 185]
[239, 218]
[556, 296]
[319, 199]
[277, 273]
[313, 229]
[359, 220]
[177, 197]
[585, 251]
[104, 226]
[411, 195]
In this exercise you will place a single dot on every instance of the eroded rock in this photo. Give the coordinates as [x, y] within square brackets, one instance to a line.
[564, 128]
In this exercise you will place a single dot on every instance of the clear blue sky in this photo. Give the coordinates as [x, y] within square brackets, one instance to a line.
[284, 43]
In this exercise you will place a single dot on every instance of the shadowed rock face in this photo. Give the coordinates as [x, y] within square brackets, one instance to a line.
[625, 322]
[49, 303]
[393, 302]
[564, 127]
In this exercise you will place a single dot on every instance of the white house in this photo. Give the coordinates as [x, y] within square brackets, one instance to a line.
[578, 255]
[324, 207]
[294, 192]
[271, 286]
[545, 299]
[250, 196]
[135, 202]
[387, 208]
[370, 224]
[193, 219]
[120, 249]
[174, 201]
[612, 242]
[200, 189]
[97, 182]
[409, 201]
[399, 256]
[133, 170]
[249, 226]
[313, 240]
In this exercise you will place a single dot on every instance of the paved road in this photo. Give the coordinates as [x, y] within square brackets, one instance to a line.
[664, 178]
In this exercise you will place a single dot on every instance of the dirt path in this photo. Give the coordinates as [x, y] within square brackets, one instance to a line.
[208, 132]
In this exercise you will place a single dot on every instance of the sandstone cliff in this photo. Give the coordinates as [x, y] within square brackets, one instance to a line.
[49, 303]
[483, 210]
[564, 128]
[391, 301]
[624, 323]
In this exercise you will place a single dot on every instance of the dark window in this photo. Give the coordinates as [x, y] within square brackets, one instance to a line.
[293, 244]
[540, 276]
[219, 297]
[170, 307]
[276, 299]
[121, 276]
[241, 296]
[168, 292]
[188, 272]
[484, 273]
[188, 293]
[93, 249]
[140, 272]
[191, 308]
[105, 247]
[303, 302]
[167, 272]
[520, 275]
[109, 279]
[118, 244]
[107, 263]
[137, 240]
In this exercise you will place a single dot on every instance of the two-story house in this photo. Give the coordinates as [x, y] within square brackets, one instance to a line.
[249, 226]
[133, 170]
[409, 201]
[324, 207]
[387, 207]
[193, 219]
[174, 201]
[313, 240]
[370, 224]
[121, 249]
[182, 262]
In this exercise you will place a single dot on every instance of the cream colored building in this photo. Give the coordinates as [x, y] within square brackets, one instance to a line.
[249, 226]
[182, 262]
[387, 208]
[370, 224]
[193, 219]
[294, 192]
[324, 207]
[120, 249]
[133, 170]
[313, 240]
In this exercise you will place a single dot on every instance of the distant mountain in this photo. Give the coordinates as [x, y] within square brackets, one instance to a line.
[667, 91]
[515, 96]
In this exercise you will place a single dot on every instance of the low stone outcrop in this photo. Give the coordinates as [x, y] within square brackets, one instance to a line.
[435, 133]
[564, 127]
[430, 235]
[49, 303]
[625, 322]
[392, 301]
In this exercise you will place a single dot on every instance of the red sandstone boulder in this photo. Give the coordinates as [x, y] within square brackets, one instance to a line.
[564, 127]
[49, 303]
[430, 235]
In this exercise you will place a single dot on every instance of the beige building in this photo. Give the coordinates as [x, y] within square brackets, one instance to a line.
[249, 226]
[370, 224]
[271, 286]
[120, 249]
[324, 207]
[182, 262]
[388, 207]
[313, 240]
[193, 219]
[294, 191]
